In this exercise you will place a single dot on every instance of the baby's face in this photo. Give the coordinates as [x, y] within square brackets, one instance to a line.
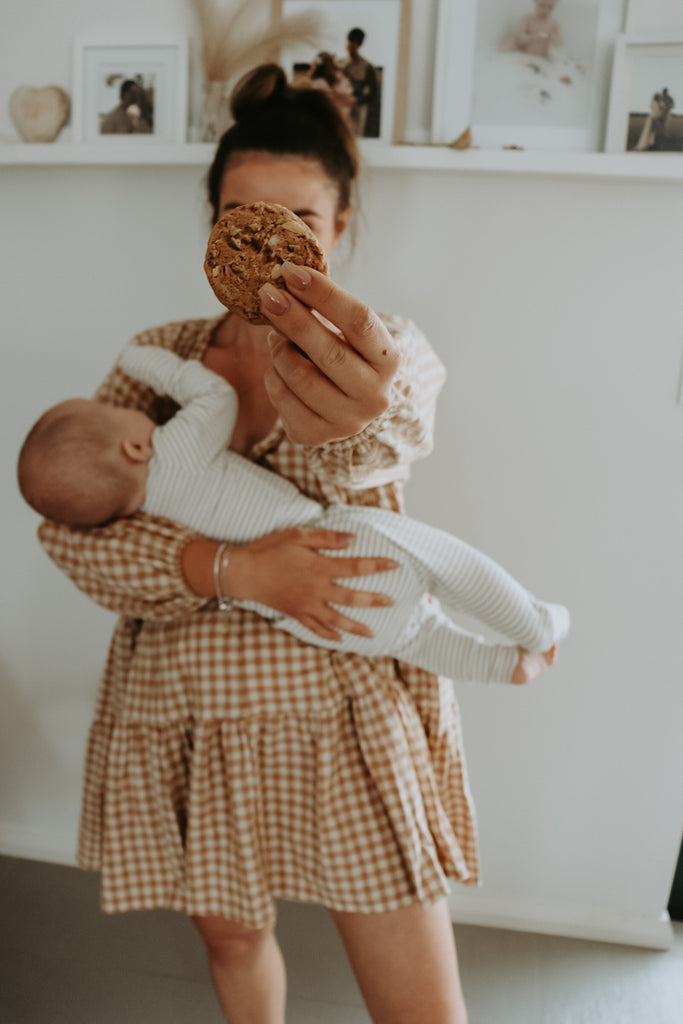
[544, 8]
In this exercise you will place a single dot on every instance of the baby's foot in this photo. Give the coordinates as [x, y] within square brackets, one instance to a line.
[531, 664]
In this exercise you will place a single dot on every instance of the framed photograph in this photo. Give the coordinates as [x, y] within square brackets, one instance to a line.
[646, 99]
[130, 90]
[454, 68]
[540, 71]
[362, 57]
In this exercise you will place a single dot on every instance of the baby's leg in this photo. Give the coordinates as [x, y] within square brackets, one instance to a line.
[437, 644]
[465, 580]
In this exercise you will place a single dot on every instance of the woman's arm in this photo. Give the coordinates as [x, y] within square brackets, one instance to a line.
[133, 567]
[147, 567]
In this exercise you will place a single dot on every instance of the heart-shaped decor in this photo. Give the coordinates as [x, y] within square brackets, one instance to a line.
[39, 114]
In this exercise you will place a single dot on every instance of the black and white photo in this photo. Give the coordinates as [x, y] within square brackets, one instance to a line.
[646, 101]
[130, 90]
[361, 59]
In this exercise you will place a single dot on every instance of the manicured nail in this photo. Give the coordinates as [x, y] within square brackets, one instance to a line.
[274, 338]
[274, 300]
[295, 275]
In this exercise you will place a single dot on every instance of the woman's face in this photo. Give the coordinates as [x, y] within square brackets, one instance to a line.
[296, 182]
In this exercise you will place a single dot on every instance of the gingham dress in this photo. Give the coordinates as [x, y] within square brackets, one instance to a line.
[229, 764]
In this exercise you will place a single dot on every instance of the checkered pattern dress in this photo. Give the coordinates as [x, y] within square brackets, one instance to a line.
[229, 764]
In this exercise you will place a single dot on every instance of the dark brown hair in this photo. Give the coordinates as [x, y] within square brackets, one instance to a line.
[273, 116]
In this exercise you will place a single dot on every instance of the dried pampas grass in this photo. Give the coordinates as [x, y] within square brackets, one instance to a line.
[230, 43]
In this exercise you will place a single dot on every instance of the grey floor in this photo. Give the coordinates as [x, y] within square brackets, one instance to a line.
[62, 962]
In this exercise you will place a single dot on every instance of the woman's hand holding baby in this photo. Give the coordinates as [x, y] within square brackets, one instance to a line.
[287, 572]
[328, 380]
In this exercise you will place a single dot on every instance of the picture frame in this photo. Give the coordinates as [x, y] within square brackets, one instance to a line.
[453, 69]
[646, 97]
[527, 100]
[130, 91]
[374, 97]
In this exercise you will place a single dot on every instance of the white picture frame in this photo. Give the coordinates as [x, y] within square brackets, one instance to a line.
[130, 91]
[453, 69]
[646, 97]
[527, 101]
[386, 24]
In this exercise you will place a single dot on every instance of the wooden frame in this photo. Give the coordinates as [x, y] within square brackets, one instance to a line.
[387, 25]
[158, 68]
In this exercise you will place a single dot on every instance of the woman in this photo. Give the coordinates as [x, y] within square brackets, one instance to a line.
[653, 135]
[229, 764]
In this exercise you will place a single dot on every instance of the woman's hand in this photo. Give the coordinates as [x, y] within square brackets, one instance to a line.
[327, 381]
[287, 572]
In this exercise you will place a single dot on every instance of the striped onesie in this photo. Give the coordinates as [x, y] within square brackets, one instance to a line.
[196, 480]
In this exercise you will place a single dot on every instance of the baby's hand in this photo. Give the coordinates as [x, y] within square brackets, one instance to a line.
[531, 664]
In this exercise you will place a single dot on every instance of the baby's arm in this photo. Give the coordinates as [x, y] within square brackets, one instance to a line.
[204, 425]
[518, 38]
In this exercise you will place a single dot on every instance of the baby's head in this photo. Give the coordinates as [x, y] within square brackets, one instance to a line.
[85, 463]
[544, 8]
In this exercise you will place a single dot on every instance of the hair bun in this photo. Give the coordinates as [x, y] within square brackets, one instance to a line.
[264, 86]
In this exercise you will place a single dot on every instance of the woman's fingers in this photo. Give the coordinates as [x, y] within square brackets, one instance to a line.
[312, 409]
[333, 360]
[316, 346]
[361, 327]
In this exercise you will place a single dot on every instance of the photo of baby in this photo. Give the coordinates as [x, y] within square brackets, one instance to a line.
[534, 65]
[536, 33]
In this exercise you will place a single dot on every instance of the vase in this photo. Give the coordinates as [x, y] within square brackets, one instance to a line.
[216, 114]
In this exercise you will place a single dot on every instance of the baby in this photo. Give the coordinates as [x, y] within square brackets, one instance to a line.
[85, 463]
[536, 32]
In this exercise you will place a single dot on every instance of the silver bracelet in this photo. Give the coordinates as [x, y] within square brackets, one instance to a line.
[220, 565]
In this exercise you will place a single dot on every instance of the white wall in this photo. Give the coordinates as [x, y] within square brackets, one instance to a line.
[555, 304]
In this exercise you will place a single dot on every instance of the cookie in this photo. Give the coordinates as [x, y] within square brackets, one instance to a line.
[246, 249]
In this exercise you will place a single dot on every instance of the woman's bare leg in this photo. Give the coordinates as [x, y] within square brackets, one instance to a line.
[247, 970]
[405, 964]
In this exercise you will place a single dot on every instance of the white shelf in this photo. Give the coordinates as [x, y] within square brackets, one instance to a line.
[634, 166]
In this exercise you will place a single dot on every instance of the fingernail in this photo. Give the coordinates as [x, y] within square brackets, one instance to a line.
[274, 300]
[386, 602]
[295, 275]
[274, 338]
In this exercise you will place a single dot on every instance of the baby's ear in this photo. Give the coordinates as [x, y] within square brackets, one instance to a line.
[136, 451]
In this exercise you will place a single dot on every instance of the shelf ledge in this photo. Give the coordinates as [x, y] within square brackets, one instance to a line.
[643, 166]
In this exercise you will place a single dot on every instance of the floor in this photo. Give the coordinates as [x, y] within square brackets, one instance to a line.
[62, 962]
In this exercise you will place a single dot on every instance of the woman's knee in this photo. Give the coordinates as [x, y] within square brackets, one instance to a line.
[229, 939]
